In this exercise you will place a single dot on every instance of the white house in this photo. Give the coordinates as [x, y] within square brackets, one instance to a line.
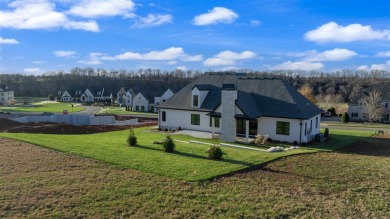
[158, 100]
[355, 107]
[125, 97]
[6, 96]
[141, 103]
[66, 97]
[239, 105]
[87, 96]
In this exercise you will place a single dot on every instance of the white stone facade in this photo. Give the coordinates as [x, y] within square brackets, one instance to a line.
[6, 97]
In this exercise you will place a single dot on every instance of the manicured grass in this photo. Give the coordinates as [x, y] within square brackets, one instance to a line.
[39, 183]
[362, 125]
[341, 138]
[188, 163]
[44, 106]
[121, 111]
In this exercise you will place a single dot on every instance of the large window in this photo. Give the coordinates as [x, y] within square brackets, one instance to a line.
[163, 116]
[195, 119]
[316, 122]
[195, 100]
[282, 128]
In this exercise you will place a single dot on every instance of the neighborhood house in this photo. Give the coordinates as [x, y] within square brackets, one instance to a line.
[135, 99]
[356, 109]
[6, 96]
[232, 104]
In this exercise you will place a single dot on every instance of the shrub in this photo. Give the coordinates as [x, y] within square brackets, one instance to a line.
[326, 134]
[132, 139]
[51, 97]
[332, 110]
[214, 152]
[295, 143]
[169, 144]
[345, 117]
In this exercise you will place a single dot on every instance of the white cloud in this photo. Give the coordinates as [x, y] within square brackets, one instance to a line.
[228, 58]
[363, 68]
[65, 54]
[93, 59]
[40, 14]
[230, 68]
[38, 62]
[330, 55]
[384, 67]
[8, 41]
[170, 54]
[332, 32]
[102, 8]
[255, 23]
[32, 70]
[182, 68]
[305, 66]
[216, 15]
[383, 54]
[152, 20]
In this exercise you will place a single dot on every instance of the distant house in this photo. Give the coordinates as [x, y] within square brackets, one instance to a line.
[141, 102]
[6, 95]
[87, 96]
[240, 105]
[355, 107]
[124, 97]
[66, 97]
[158, 100]
[77, 95]
[104, 95]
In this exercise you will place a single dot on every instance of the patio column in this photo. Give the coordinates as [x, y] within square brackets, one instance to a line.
[212, 127]
[246, 131]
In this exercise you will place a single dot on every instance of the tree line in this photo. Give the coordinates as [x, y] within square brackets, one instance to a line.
[341, 86]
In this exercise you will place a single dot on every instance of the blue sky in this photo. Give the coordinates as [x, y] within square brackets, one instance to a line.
[326, 35]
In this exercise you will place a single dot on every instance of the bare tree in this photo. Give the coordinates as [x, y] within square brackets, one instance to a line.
[372, 107]
[307, 91]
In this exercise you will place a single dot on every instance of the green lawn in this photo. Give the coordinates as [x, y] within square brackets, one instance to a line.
[44, 106]
[188, 163]
[121, 111]
[362, 125]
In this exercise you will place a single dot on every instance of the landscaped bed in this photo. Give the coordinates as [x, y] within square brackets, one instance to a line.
[189, 163]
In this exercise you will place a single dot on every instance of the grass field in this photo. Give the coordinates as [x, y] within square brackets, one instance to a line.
[121, 111]
[44, 106]
[189, 163]
[40, 183]
[362, 125]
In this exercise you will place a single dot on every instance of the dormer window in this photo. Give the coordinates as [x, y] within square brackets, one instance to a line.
[195, 100]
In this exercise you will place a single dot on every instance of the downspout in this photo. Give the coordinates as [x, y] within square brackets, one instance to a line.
[300, 131]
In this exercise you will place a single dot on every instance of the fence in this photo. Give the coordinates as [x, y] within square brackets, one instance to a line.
[70, 119]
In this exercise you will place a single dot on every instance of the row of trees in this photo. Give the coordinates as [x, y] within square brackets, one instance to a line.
[332, 88]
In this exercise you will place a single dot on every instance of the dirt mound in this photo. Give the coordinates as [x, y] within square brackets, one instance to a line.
[7, 125]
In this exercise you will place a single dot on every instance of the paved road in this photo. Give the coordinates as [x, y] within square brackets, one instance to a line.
[88, 110]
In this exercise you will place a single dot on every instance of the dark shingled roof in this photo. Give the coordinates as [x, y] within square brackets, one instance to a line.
[384, 89]
[256, 97]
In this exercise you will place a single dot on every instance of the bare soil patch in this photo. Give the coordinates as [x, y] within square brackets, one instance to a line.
[11, 126]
